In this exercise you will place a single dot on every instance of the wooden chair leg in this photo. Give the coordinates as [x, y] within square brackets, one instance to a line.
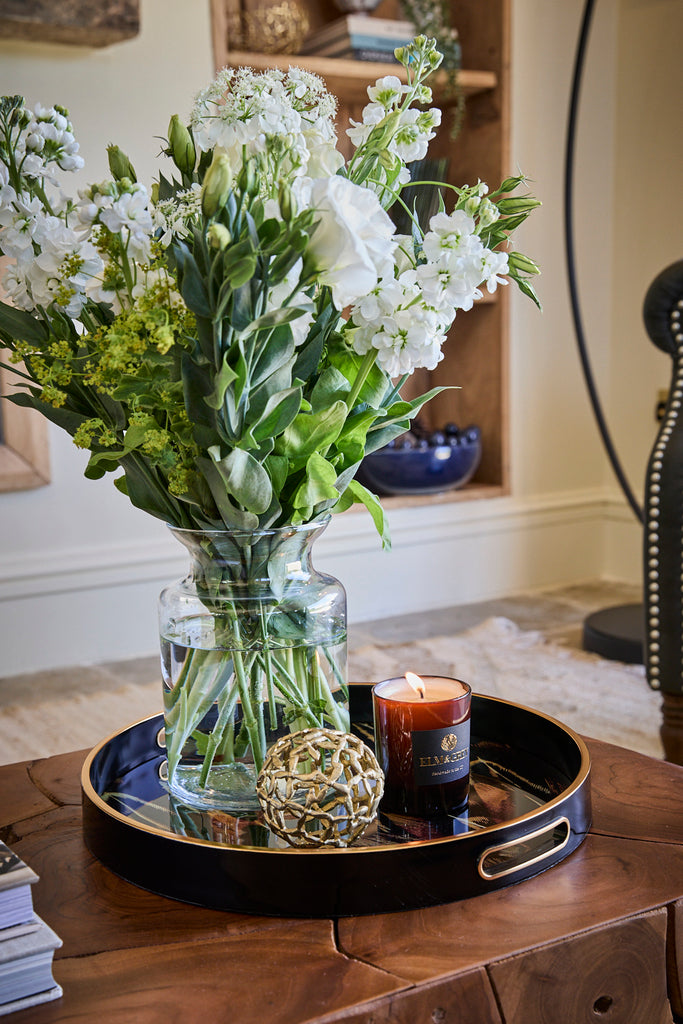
[671, 729]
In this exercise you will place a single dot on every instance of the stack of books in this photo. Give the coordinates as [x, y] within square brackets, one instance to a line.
[27, 945]
[359, 37]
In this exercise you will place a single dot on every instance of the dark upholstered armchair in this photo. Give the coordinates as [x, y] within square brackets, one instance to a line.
[663, 517]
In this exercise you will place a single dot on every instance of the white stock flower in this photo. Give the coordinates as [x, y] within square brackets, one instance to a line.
[47, 139]
[403, 328]
[15, 286]
[452, 279]
[494, 267]
[455, 232]
[18, 216]
[353, 239]
[387, 92]
[64, 267]
[130, 217]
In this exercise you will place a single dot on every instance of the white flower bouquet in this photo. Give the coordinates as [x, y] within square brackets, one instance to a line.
[235, 339]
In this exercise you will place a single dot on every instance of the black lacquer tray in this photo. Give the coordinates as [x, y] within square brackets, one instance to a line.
[529, 808]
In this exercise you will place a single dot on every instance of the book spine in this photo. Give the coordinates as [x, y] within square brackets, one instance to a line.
[358, 43]
[368, 54]
[354, 24]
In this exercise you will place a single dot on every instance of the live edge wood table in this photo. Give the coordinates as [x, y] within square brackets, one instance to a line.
[598, 937]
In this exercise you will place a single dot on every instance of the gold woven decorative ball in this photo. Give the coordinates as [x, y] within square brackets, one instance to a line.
[320, 787]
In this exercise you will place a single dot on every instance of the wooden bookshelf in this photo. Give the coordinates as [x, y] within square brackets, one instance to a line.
[476, 355]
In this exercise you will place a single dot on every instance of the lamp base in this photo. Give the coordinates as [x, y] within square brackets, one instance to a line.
[616, 633]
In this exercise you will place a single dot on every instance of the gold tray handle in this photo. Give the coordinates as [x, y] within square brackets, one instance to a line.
[522, 853]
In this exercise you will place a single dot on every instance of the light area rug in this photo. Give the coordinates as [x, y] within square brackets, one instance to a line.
[598, 698]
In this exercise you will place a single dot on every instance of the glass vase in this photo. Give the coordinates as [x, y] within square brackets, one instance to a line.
[253, 645]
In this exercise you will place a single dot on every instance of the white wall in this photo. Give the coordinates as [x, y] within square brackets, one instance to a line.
[99, 563]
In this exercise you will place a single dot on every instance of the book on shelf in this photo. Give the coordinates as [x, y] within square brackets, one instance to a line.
[360, 26]
[16, 879]
[26, 969]
[356, 42]
[365, 53]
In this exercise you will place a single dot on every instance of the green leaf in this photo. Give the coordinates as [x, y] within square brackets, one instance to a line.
[101, 463]
[192, 287]
[234, 518]
[527, 289]
[310, 432]
[18, 325]
[276, 317]
[330, 386]
[279, 412]
[245, 479]
[364, 496]
[274, 352]
[277, 467]
[518, 261]
[224, 378]
[197, 389]
[319, 485]
[241, 272]
[375, 385]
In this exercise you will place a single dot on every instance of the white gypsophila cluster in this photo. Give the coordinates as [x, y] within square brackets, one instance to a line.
[408, 132]
[173, 217]
[284, 118]
[44, 138]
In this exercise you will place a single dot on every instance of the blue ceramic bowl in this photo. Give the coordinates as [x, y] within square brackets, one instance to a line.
[427, 470]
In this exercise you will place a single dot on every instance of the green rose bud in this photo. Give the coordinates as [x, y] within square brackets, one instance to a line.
[247, 181]
[218, 236]
[119, 164]
[388, 160]
[217, 185]
[181, 146]
[286, 201]
[518, 204]
[154, 192]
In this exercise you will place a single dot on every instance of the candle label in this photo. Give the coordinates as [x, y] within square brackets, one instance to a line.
[441, 755]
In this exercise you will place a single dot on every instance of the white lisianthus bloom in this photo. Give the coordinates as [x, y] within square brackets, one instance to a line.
[353, 239]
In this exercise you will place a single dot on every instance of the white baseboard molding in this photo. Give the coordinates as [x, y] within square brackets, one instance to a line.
[97, 603]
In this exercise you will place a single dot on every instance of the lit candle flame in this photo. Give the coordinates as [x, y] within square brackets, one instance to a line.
[416, 683]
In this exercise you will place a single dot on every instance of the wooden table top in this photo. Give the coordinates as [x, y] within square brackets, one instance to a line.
[597, 937]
